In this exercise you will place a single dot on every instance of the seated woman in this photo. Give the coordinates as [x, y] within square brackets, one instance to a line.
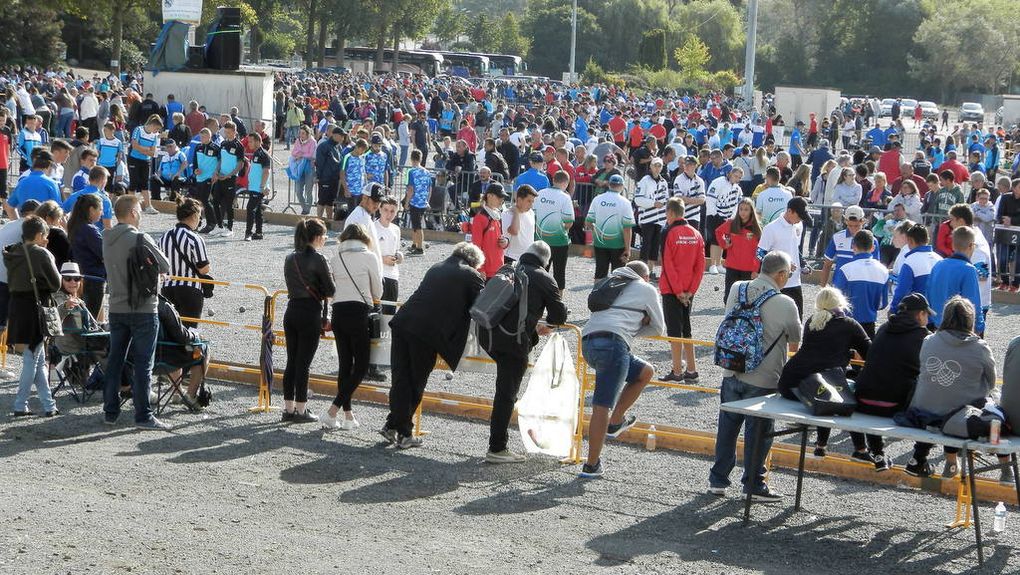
[830, 338]
[179, 346]
[77, 322]
[958, 369]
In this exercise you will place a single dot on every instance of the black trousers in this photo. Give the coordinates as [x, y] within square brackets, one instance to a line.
[411, 363]
[223, 202]
[202, 191]
[861, 441]
[559, 264]
[188, 300]
[606, 260]
[390, 292]
[651, 240]
[510, 370]
[353, 345]
[253, 214]
[302, 324]
[93, 295]
[798, 298]
[732, 277]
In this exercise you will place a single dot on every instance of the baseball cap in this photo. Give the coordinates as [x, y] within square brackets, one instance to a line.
[496, 189]
[376, 191]
[799, 207]
[875, 150]
[616, 180]
[854, 213]
[376, 139]
[536, 158]
[549, 149]
[915, 302]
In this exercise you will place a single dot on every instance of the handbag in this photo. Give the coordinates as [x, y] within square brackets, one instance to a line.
[325, 324]
[827, 392]
[374, 317]
[49, 317]
[207, 289]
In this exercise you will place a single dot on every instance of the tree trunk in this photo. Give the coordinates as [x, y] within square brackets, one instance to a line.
[255, 36]
[396, 47]
[310, 34]
[118, 38]
[341, 43]
[380, 47]
[323, 29]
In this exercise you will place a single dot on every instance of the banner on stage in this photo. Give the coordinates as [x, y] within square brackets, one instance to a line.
[189, 11]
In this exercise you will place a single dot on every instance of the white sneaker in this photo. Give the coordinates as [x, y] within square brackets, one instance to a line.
[349, 424]
[227, 234]
[328, 423]
[714, 270]
[505, 456]
[151, 210]
[215, 233]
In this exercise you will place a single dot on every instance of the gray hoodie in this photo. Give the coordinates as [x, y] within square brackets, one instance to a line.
[956, 369]
[626, 323]
[117, 244]
[1010, 401]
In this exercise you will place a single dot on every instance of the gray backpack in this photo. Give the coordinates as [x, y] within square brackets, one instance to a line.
[509, 287]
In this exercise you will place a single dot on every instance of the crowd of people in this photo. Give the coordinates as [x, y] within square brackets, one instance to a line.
[665, 187]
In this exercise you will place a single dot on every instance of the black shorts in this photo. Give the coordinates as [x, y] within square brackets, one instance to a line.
[3, 183]
[677, 316]
[138, 173]
[417, 215]
[711, 223]
[327, 193]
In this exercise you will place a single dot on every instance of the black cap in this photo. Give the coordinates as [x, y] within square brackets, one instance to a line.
[799, 207]
[338, 131]
[496, 189]
[376, 139]
[375, 191]
[915, 302]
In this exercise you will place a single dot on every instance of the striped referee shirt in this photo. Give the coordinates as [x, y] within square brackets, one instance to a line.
[687, 188]
[722, 197]
[190, 246]
[648, 192]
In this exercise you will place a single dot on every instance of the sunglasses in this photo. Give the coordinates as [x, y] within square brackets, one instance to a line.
[76, 280]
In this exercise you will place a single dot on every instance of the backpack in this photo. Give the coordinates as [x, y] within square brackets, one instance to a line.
[507, 288]
[143, 272]
[740, 341]
[605, 293]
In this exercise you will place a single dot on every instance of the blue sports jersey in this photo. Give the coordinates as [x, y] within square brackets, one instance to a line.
[533, 178]
[168, 165]
[354, 173]
[376, 165]
[144, 139]
[260, 164]
[80, 180]
[108, 151]
[862, 280]
[107, 204]
[840, 249]
[420, 181]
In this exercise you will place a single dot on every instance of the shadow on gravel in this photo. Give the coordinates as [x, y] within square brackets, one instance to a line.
[519, 500]
[709, 529]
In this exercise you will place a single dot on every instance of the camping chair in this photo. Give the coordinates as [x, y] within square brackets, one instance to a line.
[80, 372]
[171, 357]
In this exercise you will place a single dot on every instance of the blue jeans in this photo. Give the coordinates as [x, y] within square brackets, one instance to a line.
[34, 371]
[133, 333]
[614, 365]
[64, 123]
[404, 150]
[726, 439]
[304, 191]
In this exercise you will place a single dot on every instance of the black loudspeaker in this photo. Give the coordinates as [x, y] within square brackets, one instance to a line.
[223, 40]
[196, 57]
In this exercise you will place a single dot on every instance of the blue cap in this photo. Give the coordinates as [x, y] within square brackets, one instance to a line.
[616, 180]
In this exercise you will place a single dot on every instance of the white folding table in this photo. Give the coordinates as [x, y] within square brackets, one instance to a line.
[796, 414]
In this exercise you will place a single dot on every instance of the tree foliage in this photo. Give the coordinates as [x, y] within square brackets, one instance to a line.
[693, 58]
[484, 34]
[31, 28]
[548, 24]
[511, 39]
[652, 50]
[450, 23]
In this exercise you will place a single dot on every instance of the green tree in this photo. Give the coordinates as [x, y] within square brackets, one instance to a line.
[483, 34]
[31, 30]
[450, 24]
[652, 51]
[622, 22]
[693, 58]
[547, 24]
[511, 40]
[717, 23]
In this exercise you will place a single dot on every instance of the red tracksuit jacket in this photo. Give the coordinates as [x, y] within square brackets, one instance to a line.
[741, 249]
[683, 259]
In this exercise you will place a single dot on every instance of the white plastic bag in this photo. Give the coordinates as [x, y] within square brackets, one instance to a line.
[547, 412]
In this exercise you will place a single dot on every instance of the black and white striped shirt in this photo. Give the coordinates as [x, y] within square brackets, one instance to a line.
[688, 188]
[189, 245]
[648, 192]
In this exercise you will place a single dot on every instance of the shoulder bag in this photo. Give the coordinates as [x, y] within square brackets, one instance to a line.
[325, 325]
[49, 315]
[374, 317]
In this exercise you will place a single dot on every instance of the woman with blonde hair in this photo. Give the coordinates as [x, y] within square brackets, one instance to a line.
[831, 337]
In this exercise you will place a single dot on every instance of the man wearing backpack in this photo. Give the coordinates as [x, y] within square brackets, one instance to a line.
[761, 347]
[512, 340]
[134, 322]
[635, 310]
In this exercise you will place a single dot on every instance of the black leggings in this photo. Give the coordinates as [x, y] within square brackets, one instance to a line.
[797, 294]
[353, 345]
[510, 370]
[302, 325]
[202, 191]
[253, 214]
[651, 239]
[559, 264]
[223, 202]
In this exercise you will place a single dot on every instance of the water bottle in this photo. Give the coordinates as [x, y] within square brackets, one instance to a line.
[467, 238]
[650, 438]
[999, 523]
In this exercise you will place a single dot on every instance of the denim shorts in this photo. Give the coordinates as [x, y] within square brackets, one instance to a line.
[610, 357]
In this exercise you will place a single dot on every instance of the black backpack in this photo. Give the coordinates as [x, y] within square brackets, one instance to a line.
[605, 293]
[143, 272]
[504, 290]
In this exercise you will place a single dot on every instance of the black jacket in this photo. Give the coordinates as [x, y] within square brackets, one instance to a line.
[511, 155]
[436, 314]
[307, 275]
[830, 347]
[495, 162]
[893, 364]
[543, 297]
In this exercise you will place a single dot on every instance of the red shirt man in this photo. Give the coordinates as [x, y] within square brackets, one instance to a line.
[960, 171]
[683, 266]
[618, 126]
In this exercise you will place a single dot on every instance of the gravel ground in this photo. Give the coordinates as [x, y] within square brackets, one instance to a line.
[229, 492]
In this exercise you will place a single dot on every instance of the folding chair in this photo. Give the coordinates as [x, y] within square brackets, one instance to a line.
[76, 372]
[170, 357]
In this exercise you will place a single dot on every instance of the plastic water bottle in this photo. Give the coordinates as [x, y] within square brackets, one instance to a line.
[467, 238]
[650, 438]
[999, 523]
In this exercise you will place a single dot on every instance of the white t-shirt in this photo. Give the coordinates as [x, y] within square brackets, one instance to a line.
[525, 233]
[388, 240]
[982, 260]
[359, 216]
[610, 214]
[771, 203]
[782, 236]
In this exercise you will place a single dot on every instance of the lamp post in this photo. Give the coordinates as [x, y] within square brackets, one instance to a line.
[573, 40]
[752, 33]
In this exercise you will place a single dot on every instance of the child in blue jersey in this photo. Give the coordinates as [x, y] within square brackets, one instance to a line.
[419, 189]
[259, 173]
[87, 161]
[144, 147]
[863, 280]
[29, 138]
[170, 172]
[110, 150]
[377, 163]
[207, 162]
[352, 174]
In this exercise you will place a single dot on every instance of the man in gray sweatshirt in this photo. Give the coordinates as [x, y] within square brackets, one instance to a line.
[619, 376]
[133, 328]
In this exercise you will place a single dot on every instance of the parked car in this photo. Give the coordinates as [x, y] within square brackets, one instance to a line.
[885, 108]
[972, 112]
[907, 106]
[930, 111]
